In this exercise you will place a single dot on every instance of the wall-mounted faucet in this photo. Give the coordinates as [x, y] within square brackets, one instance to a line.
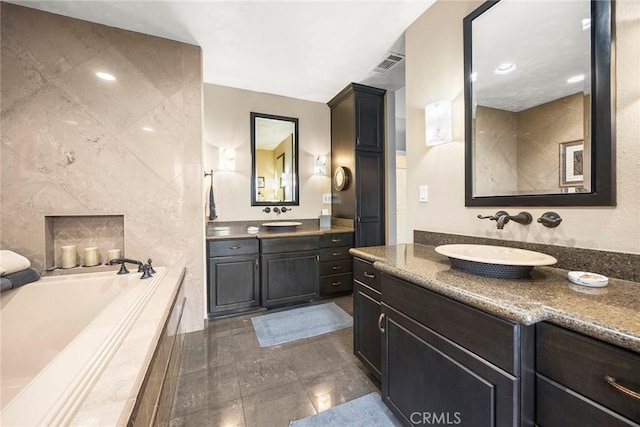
[276, 210]
[266, 210]
[503, 217]
[284, 209]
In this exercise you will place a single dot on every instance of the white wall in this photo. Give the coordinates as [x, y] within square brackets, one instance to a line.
[434, 70]
[227, 125]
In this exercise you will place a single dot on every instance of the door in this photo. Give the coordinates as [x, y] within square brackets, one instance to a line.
[427, 379]
[367, 340]
[369, 199]
[234, 283]
[369, 121]
[289, 277]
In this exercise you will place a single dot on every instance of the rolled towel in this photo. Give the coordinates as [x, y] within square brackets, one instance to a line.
[12, 262]
[5, 284]
[23, 277]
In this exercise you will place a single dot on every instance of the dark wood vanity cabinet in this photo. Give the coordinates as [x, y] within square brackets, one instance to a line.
[233, 276]
[443, 359]
[367, 307]
[290, 270]
[583, 381]
[357, 143]
[335, 264]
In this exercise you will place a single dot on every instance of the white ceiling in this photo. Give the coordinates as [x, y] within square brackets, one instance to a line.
[301, 49]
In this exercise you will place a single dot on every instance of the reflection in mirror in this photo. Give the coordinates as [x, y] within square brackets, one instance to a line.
[274, 148]
[530, 92]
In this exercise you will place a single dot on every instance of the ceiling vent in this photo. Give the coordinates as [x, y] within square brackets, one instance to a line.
[389, 62]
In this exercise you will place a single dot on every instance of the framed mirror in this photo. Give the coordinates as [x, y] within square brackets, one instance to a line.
[539, 122]
[274, 161]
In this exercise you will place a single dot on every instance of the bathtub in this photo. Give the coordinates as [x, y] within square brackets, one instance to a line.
[63, 334]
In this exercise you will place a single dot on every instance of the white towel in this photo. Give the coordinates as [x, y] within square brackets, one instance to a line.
[11, 262]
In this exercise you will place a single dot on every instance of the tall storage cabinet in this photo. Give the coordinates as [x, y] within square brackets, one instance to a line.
[357, 143]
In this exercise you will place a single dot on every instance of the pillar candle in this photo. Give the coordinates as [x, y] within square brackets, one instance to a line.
[91, 256]
[113, 254]
[68, 257]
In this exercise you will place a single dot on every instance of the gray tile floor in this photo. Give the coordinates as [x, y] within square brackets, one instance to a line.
[227, 379]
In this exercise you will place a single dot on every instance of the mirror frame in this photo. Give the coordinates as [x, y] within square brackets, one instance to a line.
[254, 178]
[603, 155]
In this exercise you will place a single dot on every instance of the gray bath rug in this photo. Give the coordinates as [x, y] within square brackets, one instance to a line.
[365, 411]
[305, 322]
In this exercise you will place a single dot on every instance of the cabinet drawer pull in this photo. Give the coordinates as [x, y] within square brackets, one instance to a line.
[336, 253]
[622, 389]
[335, 240]
[380, 319]
[234, 248]
[335, 267]
[369, 275]
[257, 265]
[317, 258]
[336, 283]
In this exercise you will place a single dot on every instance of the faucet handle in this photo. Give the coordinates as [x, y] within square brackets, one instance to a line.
[266, 210]
[550, 219]
[285, 209]
[151, 270]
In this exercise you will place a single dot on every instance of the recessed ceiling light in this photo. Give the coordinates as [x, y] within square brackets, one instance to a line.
[505, 68]
[147, 129]
[105, 76]
[576, 79]
[586, 24]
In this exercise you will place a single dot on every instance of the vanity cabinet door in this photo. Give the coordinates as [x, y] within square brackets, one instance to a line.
[426, 377]
[367, 340]
[234, 283]
[289, 277]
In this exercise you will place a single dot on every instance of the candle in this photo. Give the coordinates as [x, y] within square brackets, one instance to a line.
[113, 254]
[91, 256]
[68, 256]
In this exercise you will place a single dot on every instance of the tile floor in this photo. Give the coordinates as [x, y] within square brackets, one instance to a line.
[226, 378]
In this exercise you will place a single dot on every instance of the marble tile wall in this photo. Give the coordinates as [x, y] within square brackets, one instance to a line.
[73, 144]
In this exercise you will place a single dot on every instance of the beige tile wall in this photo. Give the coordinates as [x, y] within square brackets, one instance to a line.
[73, 144]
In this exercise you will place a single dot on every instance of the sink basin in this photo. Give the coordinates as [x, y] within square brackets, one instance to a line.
[282, 225]
[494, 261]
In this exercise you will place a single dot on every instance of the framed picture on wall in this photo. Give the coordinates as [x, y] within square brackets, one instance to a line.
[261, 182]
[572, 164]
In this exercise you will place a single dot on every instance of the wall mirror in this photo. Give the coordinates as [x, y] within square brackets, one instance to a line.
[274, 150]
[538, 105]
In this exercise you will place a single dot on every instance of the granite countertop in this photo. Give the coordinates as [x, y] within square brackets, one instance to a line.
[611, 313]
[240, 232]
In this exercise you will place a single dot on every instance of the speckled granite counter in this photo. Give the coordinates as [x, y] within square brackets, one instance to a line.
[239, 231]
[611, 313]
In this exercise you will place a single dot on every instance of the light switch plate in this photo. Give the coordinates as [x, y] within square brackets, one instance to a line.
[424, 194]
[326, 197]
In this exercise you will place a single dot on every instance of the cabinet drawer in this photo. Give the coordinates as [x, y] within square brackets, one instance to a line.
[558, 406]
[488, 336]
[289, 244]
[364, 272]
[233, 247]
[581, 363]
[336, 283]
[335, 267]
[332, 254]
[337, 239]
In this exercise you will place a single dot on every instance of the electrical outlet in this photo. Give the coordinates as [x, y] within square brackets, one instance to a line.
[424, 194]
[326, 197]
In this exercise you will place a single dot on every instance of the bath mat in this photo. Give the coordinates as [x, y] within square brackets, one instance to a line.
[305, 322]
[365, 411]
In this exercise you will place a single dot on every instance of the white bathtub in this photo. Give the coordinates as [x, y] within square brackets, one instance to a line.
[60, 334]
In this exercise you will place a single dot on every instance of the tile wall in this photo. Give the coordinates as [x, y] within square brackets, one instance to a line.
[73, 144]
